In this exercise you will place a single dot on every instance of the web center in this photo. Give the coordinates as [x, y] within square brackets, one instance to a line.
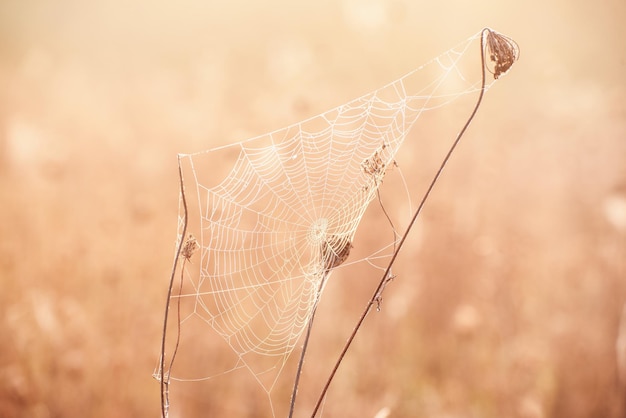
[317, 232]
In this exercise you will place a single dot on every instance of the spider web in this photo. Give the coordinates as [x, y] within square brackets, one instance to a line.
[263, 209]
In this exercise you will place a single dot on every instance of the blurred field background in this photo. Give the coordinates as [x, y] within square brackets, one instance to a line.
[507, 303]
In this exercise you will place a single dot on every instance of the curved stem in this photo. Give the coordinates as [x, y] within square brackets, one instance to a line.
[385, 276]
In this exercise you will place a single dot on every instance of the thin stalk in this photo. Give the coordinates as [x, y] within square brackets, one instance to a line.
[384, 279]
[166, 381]
[304, 347]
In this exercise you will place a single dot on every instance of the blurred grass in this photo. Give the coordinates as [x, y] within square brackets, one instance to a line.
[507, 301]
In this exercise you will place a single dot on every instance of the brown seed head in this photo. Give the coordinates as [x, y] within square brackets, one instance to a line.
[335, 250]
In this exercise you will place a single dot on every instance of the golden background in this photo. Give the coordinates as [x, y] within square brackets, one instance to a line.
[508, 302]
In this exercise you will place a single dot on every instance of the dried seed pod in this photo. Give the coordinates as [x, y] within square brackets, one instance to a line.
[335, 250]
[502, 51]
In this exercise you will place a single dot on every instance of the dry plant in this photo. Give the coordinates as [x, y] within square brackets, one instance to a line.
[335, 249]
[503, 52]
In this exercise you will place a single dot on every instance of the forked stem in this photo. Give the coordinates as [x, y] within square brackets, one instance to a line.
[385, 276]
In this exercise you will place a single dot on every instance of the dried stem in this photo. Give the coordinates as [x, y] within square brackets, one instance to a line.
[165, 380]
[305, 344]
[504, 52]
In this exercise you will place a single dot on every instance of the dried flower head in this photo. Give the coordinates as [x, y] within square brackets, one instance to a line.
[374, 166]
[189, 247]
[503, 52]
